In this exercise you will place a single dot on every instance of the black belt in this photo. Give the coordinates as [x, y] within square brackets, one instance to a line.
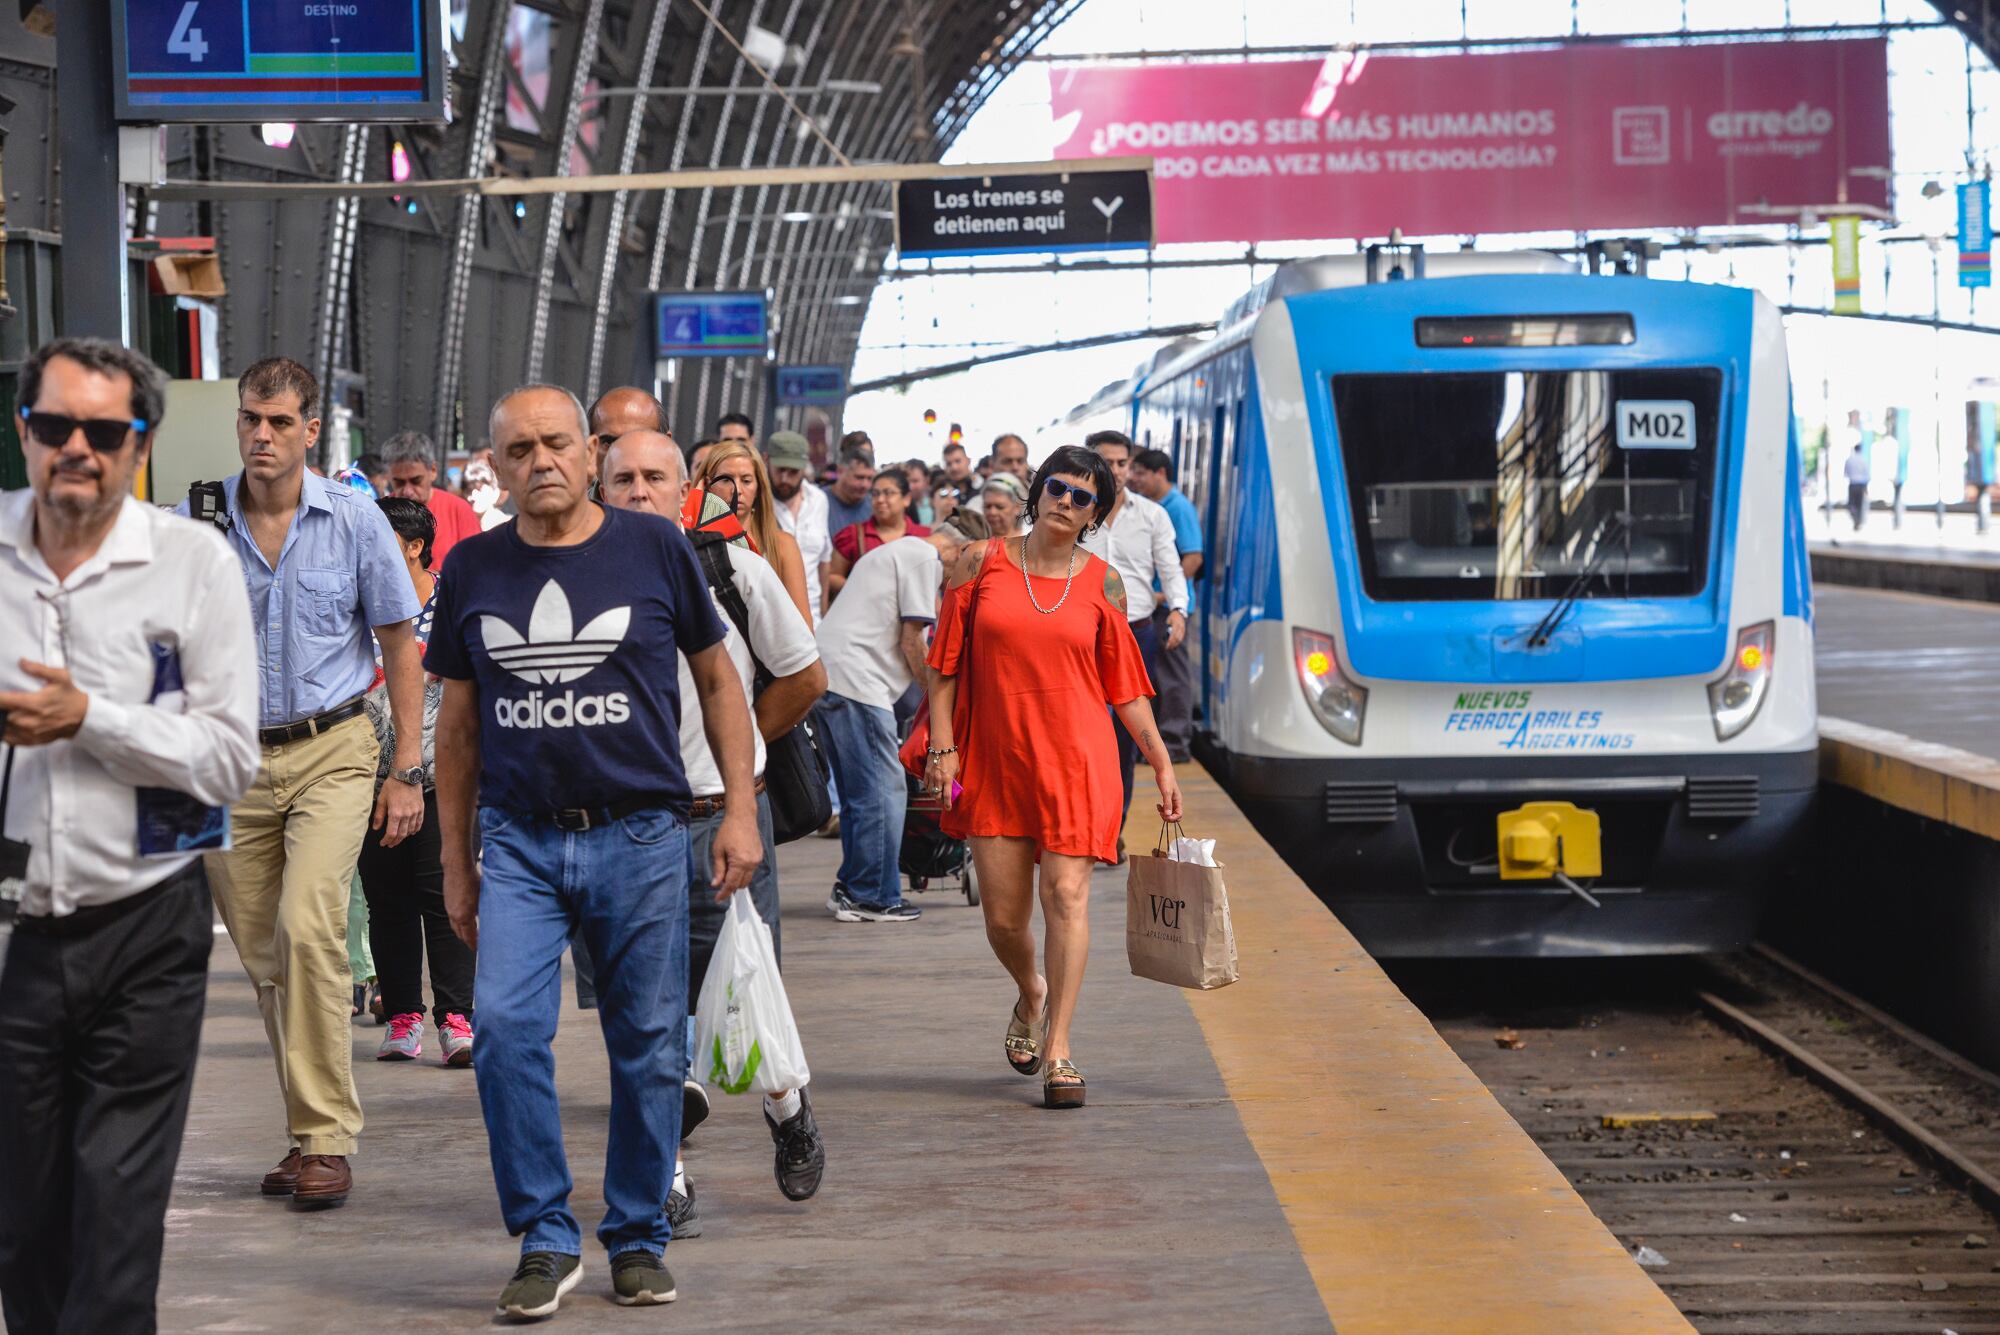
[92, 916]
[575, 820]
[311, 727]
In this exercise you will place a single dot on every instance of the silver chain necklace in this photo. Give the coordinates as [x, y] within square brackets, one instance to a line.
[1030, 584]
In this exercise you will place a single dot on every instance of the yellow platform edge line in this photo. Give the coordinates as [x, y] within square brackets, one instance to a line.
[1416, 1201]
[1938, 782]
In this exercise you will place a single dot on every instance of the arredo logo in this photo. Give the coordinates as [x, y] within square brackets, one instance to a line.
[1797, 123]
[554, 653]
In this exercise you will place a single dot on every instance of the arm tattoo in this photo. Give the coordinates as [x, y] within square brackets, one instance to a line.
[969, 562]
[1146, 740]
[1114, 588]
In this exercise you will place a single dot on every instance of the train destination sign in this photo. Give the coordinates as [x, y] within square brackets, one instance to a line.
[1012, 215]
[278, 60]
[805, 386]
[710, 324]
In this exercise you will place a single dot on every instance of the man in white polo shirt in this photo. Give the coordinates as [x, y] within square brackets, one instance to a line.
[1137, 540]
[872, 641]
[644, 471]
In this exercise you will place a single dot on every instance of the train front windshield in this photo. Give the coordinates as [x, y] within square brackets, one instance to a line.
[1504, 485]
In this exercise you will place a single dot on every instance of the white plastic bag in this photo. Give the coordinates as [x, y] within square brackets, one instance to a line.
[744, 1037]
[1200, 852]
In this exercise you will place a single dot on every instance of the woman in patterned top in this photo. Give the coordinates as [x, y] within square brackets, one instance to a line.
[404, 884]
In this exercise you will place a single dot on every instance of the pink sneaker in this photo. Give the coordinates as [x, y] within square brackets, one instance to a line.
[455, 1033]
[405, 1040]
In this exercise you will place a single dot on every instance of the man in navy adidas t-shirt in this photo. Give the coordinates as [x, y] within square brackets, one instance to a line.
[556, 637]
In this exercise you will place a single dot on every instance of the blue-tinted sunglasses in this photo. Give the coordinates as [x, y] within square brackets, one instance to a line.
[1055, 489]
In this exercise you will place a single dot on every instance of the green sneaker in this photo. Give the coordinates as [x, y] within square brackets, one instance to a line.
[538, 1285]
[639, 1280]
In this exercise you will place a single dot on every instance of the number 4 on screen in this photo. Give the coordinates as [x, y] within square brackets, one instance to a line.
[186, 40]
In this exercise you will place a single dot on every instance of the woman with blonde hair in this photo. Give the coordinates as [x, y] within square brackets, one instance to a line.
[735, 472]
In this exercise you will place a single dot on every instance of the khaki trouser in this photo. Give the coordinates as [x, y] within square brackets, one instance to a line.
[283, 890]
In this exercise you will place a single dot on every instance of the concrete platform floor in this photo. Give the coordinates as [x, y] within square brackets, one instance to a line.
[952, 1201]
[1913, 664]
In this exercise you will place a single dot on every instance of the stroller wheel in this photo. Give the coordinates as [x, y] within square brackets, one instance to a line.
[968, 881]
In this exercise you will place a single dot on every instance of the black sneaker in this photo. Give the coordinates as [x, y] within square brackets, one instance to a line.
[538, 1285]
[801, 1157]
[681, 1213]
[846, 908]
[638, 1279]
[694, 1106]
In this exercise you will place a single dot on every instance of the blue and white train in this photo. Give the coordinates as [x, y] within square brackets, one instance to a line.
[1506, 640]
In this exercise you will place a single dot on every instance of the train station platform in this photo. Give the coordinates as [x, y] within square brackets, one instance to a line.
[1912, 664]
[1297, 1152]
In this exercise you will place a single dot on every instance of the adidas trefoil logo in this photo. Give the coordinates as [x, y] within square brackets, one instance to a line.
[551, 652]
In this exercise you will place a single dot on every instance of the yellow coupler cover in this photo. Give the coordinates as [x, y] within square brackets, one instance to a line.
[1417, 1202]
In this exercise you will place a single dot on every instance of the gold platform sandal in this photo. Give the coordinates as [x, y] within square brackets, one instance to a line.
[1062, 1085]
[1024, 1040]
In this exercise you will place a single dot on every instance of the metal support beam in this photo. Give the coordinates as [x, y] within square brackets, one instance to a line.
[552, 222]
[337, 266]
[1068, 345]
[609, 235]
[93, 202]
[465, 233]
[723, 178]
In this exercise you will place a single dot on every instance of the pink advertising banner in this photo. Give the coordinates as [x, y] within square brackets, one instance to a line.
[1558, 139]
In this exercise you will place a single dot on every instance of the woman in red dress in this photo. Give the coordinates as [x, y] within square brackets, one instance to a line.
[1032, 644]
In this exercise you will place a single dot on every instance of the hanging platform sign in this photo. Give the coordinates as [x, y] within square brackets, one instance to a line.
[1844, 245]
[806, 386]
[295, 60]
[1014, 215]
[1975, 234]
[710, 324]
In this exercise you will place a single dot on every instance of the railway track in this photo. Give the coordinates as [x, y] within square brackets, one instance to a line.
[1792, 1160]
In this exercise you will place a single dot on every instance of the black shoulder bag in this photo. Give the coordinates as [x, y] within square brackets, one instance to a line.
[795, 771]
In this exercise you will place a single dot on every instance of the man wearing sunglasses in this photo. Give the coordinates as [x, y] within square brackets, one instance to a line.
[323, 569]
[128, 699]
[1137, 540]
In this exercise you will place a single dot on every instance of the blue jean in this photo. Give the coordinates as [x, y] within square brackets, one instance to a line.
[705, 915]
[624, 886]
[861, 748]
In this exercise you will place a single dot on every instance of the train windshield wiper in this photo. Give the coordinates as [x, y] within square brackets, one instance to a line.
[1539, 637]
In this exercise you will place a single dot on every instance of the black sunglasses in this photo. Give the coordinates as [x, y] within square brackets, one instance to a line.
[1055, 488]
[103, 434]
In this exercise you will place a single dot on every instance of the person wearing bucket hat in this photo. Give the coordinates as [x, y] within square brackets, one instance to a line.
[801, 509]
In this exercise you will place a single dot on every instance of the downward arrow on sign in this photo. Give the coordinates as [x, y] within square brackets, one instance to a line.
[1108, 209]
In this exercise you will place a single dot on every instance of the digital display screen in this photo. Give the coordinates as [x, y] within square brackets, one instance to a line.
[799, 386]
[710, 324]
[278, 60]
[1523, 331]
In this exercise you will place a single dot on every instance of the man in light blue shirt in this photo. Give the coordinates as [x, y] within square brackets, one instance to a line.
[1153, 478]
[323, 569]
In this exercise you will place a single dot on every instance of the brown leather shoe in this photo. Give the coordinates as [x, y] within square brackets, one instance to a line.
[324, 1181]
[284, 1179]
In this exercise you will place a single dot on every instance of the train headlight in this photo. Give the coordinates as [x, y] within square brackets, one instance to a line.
[1339, 704]
[1735, 697]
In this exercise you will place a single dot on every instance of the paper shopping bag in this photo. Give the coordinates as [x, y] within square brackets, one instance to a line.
[1177, 927]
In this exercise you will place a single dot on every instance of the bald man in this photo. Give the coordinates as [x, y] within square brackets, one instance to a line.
[620, 411]
[643, 471]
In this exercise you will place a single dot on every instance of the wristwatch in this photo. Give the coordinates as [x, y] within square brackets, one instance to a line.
[414, 776]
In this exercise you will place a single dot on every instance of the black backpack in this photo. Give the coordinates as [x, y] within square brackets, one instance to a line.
[795, 770]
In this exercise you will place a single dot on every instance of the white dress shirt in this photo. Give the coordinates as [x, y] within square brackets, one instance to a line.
[808, 526]
[1138, 542]
[158, 585]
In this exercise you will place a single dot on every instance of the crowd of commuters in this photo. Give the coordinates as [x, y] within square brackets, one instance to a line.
[371, 714]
